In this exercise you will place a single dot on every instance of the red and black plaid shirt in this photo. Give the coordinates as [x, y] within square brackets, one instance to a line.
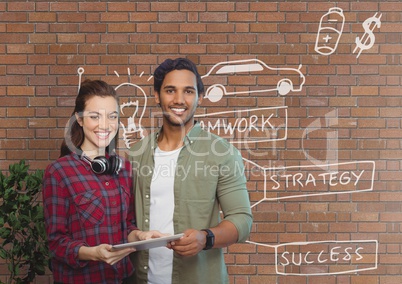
[85, 209]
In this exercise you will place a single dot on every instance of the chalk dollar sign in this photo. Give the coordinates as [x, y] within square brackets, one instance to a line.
[368, 39]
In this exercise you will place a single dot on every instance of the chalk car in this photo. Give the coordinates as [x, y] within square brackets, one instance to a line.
[248, 76]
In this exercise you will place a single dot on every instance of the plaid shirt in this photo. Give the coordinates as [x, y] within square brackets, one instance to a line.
[85, 209]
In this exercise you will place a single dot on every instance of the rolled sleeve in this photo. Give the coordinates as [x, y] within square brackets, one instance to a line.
[233, 195]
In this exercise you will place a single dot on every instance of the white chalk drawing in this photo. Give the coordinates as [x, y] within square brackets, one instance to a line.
[255, 77]
[134, 122]
[329, 31]
[270, 124]
[251, 125]
[324, 257]
[368, 39]
[80, 71]
[285, 79]
[312, 180]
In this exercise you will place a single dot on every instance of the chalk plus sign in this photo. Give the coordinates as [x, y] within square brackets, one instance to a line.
[327, 38]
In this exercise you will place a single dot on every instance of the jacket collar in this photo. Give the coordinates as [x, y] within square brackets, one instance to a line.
[190, 137]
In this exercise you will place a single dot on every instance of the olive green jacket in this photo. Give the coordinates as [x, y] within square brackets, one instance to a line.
[209, 177]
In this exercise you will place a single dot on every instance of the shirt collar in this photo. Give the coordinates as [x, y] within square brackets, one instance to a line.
[190, 137]
[77, 156]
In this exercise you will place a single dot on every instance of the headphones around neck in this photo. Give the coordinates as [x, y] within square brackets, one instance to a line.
[102, 165]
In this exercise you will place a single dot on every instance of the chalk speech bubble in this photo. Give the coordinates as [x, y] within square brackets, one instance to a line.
[326, 257]
[250, 125]
[312, 180]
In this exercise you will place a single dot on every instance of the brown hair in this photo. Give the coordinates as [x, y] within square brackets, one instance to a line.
[177, 64]
[74, 136]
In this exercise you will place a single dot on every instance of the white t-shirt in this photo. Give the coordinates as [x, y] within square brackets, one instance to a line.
[161, 214]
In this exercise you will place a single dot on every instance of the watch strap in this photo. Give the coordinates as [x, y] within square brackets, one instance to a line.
[210, 239]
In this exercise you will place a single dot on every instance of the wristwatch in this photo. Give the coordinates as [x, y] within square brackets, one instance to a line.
[210, 239]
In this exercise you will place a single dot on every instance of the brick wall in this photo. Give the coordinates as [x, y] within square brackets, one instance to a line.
[323, 175]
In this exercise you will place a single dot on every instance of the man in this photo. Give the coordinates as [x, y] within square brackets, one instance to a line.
[183, 177]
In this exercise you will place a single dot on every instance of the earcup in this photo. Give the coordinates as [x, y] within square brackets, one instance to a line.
[112, 165]
[100, 165]
[115, 164]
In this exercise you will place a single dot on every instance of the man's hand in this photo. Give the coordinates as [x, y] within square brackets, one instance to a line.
[194, 241]
[190, 244]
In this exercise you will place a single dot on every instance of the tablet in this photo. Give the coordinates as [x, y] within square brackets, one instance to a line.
[148, 244]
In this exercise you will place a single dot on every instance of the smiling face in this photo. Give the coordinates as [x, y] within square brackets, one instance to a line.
[99, 123]
[179, 98]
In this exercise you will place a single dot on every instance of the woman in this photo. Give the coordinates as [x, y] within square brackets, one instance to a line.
[87, 195]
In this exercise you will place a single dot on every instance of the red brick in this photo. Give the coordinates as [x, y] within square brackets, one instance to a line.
[20, 48]
[41, 144]
[92, 49]
[38, 17]
[171, 17]
[242, 17]
[391, 112]
[122, 28]
[20, 28]
[191, 28]
[12, 144]
[165, 28]
[42, 6]
[13, 59]
[114, 59]
[21, 154]
[64, 7]
[63, 48]
[14, 17]
[287, 7]
[220, 6]
[20, 6]
[114, 17]
[371, 123]
[193, 7]
[164, 48]
[42, 38]
[114, 38]
[263, 27]
[261, 6]
[159, 6]
[190, 49]
[220, 28]
[92, 7]
[364, 91]
[143, 17]
[92, 28]
[121, 7]
[390, 70]
[214, 17]
[20, 91]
